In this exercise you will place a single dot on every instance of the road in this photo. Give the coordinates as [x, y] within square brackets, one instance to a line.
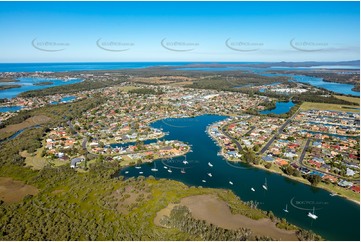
[280, 130]
[249, 131]
[302, 156]
[239, 147]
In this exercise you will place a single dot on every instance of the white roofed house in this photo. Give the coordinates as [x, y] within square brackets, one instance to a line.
[75, 161]
[350, 172]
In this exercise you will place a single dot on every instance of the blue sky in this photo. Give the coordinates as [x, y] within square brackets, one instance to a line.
[179, 31]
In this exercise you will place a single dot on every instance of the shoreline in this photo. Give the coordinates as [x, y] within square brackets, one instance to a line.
[159, 158]
[297, 179]
[214, 210]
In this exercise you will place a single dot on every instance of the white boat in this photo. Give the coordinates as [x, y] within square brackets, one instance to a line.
[155, 168]
[312, 215]
[183, 171]
[140, 172]
[209, 174]
[230, 182]
[126, 172]
[185, 162]
[252, 189]
[138, 167]
[285, 209]
[210, 164]
[170, 171]
[203, 180]
[165, 167]
[265, 187]
[333, 194]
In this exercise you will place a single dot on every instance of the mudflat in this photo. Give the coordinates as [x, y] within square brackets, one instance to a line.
[14, 191]
[215, 211]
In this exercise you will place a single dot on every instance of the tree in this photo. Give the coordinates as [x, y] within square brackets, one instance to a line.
[100, 158]
[268, 165]
[289, 170]
[313, 179]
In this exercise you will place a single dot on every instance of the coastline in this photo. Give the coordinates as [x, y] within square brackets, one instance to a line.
[297, 179]
[164, 157]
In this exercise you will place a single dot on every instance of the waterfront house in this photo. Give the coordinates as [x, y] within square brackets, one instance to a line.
[281, 162]
[355, 188]
[332, 179]
[268, 158]
[343, 183]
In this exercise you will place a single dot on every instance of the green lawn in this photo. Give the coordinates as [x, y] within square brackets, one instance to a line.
[328, 106]
[349, 99]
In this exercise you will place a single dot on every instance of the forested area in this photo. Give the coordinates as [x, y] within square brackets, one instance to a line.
[234, 80]
[181, 218]
[72, 88]
[9, 87]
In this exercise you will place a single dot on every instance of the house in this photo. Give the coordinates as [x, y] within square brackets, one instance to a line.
[268, 158]
[317, 173]
[344, 183]
[233, 154]
[290, 155]
[281, 162]
[314, 163]
[355, 189]
[332, 179]
[349, 172]
[74, 162]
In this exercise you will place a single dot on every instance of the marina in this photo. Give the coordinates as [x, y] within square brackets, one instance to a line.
[246, 180]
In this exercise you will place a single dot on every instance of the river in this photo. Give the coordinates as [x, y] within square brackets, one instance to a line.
[338, 218]
[314, 81]
[29, 84]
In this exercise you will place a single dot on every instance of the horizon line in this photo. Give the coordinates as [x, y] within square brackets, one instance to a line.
[75, 62]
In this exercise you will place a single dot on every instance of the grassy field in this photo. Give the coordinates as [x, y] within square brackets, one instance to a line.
[36, 120]
[349, 99]
[328, 106]
[127, 88]
[181, 83]
[35, 161]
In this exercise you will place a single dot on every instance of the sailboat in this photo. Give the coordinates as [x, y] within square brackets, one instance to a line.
[155, 168]
[265, 187]
[285, 209]
[203, 180]
[185, 162]
[230, 182]
[170, 171]
[209, 174]
[312, 215]
[253, 189]
[183, 171]
[210, 164]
